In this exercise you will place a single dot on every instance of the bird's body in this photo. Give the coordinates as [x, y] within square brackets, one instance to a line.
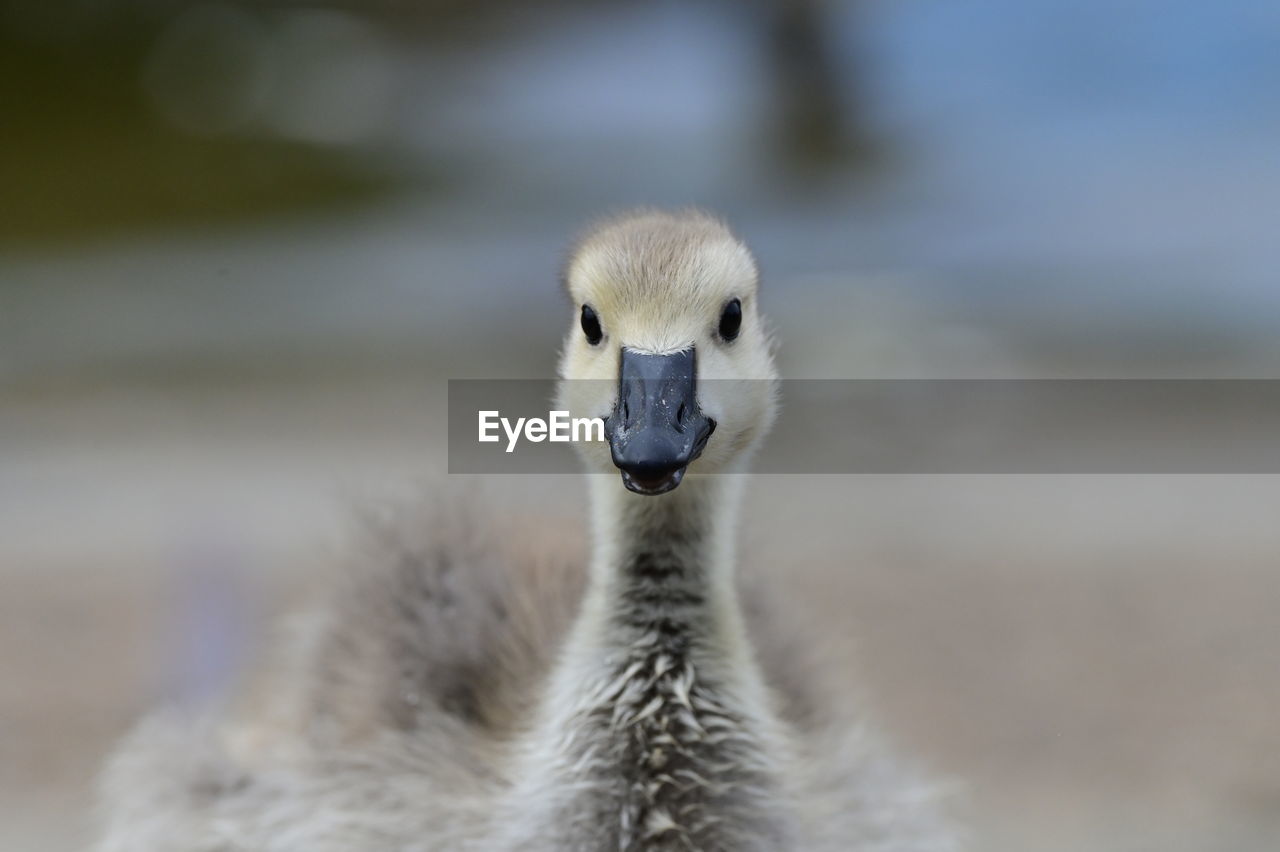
[477, 687]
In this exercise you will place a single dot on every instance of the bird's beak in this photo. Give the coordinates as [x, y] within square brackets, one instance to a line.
[656, 428]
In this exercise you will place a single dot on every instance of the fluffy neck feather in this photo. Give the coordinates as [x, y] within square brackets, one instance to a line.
[655, 733]
[665, 564]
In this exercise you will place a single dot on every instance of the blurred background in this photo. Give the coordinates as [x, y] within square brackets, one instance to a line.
[244, 244]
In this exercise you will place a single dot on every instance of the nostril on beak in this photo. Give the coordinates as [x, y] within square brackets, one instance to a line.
[653, 441]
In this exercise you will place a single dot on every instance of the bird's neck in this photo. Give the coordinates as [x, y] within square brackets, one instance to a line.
[662, 572]
[656, 726]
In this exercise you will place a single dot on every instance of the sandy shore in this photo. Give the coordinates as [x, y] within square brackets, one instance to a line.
[1095, 660]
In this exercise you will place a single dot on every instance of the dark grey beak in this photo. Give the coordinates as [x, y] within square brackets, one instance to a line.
[656, 428]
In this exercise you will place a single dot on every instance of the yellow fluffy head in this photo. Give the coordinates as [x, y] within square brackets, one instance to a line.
[659, 283]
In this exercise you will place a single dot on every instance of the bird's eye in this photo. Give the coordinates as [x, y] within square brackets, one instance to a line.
[731, 320]
[591, 325]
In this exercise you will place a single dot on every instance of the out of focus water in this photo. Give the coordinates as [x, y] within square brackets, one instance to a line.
[1058, 187]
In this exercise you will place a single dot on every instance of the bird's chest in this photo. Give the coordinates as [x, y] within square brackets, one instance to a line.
[668, 763]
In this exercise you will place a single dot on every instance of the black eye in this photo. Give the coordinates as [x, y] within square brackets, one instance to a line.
[591, 325]
[731, 320]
